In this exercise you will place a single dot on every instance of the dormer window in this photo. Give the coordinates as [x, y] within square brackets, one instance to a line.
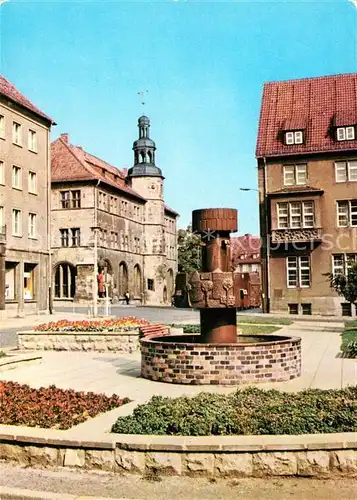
[294, 137]
[345, 133]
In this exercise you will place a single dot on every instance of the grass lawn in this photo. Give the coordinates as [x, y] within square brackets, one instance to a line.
[247, 329]
[242, 318]
[349, 339]
[256, 329]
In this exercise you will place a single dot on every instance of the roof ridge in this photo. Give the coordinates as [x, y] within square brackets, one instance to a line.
[104, 161]
[309, 78]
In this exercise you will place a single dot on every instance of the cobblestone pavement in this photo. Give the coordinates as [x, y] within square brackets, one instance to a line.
[135, 487]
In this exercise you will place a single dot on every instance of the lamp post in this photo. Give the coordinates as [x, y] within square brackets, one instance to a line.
[95, 271]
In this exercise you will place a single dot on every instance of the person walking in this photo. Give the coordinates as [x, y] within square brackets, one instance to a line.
[127, 298]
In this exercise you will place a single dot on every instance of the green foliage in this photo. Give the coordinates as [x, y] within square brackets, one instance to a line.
[349, 341]
[189, 250]
[247, 329]
[346, 285]
[249, 411]
[2, 354]
[256, 320]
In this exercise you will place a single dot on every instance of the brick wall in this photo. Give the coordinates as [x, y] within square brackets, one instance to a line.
[194, 363]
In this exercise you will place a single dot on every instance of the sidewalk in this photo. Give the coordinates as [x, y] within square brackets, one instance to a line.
[36, 319]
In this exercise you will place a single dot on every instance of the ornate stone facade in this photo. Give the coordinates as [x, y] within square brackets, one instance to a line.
[121, 214]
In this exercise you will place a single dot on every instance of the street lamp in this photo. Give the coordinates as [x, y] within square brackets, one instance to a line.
[249, 189]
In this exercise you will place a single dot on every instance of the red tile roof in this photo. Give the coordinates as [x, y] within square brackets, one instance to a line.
[168, 209]
[245, 249]
[8, 90]
[313, 104]
[72, 163]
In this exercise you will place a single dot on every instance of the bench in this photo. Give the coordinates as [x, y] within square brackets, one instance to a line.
[152, 330]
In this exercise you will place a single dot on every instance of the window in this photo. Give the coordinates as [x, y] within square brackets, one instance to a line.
[64, 237]
[16, 177]
[151, 284]
[296, 214]
[2, 127]
[102, 201]
[32, 183]
[29, 281]
[347, 213]
[70, 237]
[346, 171]
[2, 172]
[298, 271]
[113, 205]
[306, 309]
[295, 175]
[16, 133]
[346, 309]
[293, 308]
[2, 223]
[295, 137]
[76, 237]
[70, 199]
[32, 225]
[32, 141]
[341, 263]
[345, 133]
[16, 222]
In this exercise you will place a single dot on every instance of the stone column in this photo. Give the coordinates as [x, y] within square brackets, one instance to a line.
[20, 288]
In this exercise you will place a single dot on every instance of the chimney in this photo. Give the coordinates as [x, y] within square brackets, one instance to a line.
[65, 138]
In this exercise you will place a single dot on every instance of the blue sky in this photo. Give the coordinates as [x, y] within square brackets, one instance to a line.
[203, 63]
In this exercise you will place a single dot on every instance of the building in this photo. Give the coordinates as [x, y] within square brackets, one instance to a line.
[245, 254]
[307, 172]
[114, 218]
[24, 203]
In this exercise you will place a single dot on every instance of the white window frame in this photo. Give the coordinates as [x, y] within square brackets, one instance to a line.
[32, 182]
[305, 210]
[17, 133]
[2, 172]
[32, 225]
[348, 169]
[294, 137]
[32, 140]
[294, 171]
[16, 231]
[345, 133]
[16, 170]
[349, 214]
[346, 260]
[2, 126]
[299, 266]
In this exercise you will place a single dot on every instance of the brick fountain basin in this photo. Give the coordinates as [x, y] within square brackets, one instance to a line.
[185, 359]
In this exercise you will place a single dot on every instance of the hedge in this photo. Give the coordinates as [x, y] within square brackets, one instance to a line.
[248, 411]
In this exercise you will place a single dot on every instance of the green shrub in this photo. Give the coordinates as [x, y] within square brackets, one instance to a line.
[349, 342]
[248, 411]
[247, 329]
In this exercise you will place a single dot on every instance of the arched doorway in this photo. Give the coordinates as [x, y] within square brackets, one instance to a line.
[137, 281]
[65, 281]
[123, 279]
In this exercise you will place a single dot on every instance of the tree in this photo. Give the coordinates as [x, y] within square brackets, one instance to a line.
[346, 285]
[189, 250]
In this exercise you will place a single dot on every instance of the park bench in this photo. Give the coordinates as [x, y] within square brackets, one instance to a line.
[153, 330]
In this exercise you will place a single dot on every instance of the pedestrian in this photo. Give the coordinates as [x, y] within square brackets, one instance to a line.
[127, 298]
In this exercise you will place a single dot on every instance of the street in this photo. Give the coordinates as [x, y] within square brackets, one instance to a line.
[8, 337]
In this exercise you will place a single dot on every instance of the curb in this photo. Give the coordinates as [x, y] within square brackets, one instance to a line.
[24, 494]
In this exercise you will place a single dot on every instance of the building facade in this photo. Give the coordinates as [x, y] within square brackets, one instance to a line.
[24, 204]
[245, 252]
[114, 218]
[307, 173]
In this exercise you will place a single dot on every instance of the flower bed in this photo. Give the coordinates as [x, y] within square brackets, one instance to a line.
[51, 407]
[250, 411]
[103, 325]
